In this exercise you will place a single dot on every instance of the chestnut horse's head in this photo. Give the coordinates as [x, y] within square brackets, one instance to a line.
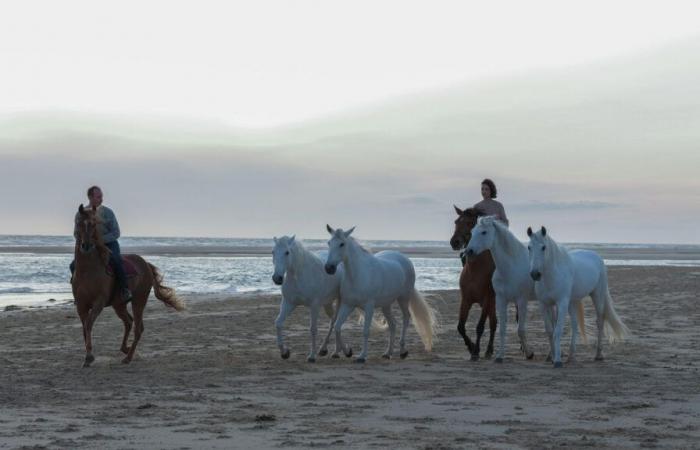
[88, 237]
[463, 227]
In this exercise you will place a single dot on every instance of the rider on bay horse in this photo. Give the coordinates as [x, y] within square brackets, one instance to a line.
[108, 228]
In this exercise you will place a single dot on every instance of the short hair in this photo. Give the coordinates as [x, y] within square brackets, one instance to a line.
[92, 190]
[492, 186]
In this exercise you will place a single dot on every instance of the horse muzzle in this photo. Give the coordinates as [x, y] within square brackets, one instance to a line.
[85, 248]
[278, 279]
[455, 243]
[330, 269]
[536, 275]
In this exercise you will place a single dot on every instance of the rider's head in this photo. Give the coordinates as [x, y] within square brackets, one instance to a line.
[95, 196]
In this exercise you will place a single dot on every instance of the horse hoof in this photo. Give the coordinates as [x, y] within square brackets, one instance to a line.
[323, 352]
[531, 355]
[311, 360]
[348, 354]
[126, 360]
[335, 356]
[498, 360]
[404, 354]
[285, 354]
[475, 357]
[549, 358]
[88, 360]
[386, 356]
[360, 360]
[488, 355]
[599, 358]
[125, 350]
[558, 365]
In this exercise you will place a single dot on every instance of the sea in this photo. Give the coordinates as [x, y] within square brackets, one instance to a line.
[34, 269]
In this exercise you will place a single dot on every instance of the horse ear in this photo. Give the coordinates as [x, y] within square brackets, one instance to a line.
[291, 239]
[544, 231]
[330, 230]
[349, 232]
[275, 239]
[459, 211]
[529, 231]
[81, 209]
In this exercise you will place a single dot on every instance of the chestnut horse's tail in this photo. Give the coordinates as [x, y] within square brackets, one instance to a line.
[164, 293]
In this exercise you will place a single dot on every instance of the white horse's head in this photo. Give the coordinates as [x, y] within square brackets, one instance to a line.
[483, 236]
[537, 249]
[282, 257]
[337, 247]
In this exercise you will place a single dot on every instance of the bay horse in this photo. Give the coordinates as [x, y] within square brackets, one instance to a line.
[474, 284]
[562, 279]
[94, 288]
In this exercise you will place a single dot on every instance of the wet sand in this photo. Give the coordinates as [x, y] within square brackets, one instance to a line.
[211, 377]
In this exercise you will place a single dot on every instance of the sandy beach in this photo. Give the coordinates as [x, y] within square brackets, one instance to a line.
[211, 377]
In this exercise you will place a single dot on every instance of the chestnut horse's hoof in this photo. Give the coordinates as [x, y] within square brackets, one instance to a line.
[125, 350]
[386, 356]
[558, 365]
[323, 352]
[310, 359]
[88, 360]
[126, 360]
[531, 355]
[404, 354]
[488, 354]
[475, 357]
[285, 354]
[335, 356]
[599, 358]
[360, 360]
[498, 360]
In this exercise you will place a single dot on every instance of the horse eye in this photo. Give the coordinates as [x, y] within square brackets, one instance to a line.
[286, 253]
[342, 244]
[528, 247]
[543, 247]
[483, 232]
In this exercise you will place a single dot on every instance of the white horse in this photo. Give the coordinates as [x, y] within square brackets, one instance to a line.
[562, 279]
[377, 281]
[305, 283]
[511, 279]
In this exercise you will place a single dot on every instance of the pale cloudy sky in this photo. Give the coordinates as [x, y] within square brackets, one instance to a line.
[261, 118]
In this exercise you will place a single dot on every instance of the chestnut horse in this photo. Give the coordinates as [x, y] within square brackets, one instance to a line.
[94, 288]
[474, 284]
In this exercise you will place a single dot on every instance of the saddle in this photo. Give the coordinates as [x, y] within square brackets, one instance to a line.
[129, 268]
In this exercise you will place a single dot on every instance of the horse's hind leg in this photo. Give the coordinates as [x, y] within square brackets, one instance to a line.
[392, 331]
[138, 306]
[464, 308]
[123, 313]
[598, 297]
[573, 312]
[522, 327]
[313, 331]
[479, 333]
[406, 317]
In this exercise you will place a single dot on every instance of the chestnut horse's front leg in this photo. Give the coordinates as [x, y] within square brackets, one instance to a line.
[87, 330]
[464, 308]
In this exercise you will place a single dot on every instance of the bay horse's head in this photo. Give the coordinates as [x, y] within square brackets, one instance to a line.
[337, 247]
[282, 255]
[88, 236]
[463, 227]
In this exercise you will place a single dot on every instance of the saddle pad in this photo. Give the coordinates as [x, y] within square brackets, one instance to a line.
[129, 268]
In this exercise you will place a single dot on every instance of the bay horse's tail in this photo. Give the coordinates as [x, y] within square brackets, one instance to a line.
[164, 293]
[423, 317]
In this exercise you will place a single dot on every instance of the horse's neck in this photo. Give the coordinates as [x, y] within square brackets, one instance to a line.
[88, 262]
[557, 259]
[506, 261]
[303, 261]
[355, 260]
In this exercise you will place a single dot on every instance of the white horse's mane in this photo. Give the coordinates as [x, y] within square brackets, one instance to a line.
[299, 251]
[557, 252]
[362, 246]
[511, 243]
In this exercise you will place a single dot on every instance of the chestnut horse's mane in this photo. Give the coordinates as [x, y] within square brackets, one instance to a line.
[100, 246]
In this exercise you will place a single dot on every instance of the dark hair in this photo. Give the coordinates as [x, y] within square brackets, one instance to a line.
[492, 186]
[92, 190]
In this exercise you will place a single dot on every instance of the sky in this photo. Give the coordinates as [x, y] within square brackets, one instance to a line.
[251, 119]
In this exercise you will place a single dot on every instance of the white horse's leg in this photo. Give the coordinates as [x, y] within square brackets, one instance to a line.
[522, 327]
[562, 307]
[286, 309]
[369, 312]
[342, 315]
[392, 331]
[599, 303]
[548, 327]
[332, 313]
[314, 329]
[502, 316]
[406, 318]
[573, 312]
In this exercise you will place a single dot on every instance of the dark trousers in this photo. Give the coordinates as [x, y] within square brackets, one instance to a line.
[116, 259]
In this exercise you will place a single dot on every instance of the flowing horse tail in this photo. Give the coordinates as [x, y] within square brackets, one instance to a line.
[164, 293]
[582, 322]
[423, 317]
[614, 328]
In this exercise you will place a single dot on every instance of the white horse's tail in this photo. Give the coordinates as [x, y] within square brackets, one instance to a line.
[423, 317]
[378, 324]
[582, 322]
[614, 328]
